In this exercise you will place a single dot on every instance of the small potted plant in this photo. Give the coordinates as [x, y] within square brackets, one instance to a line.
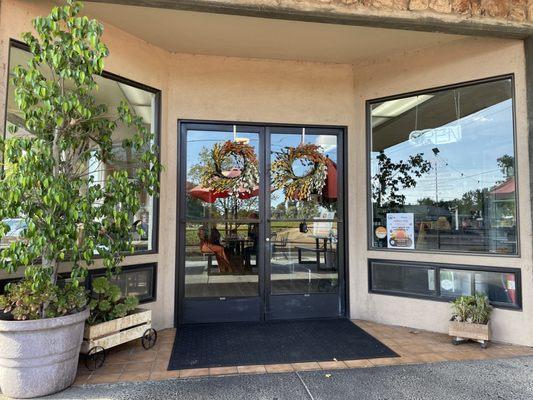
[66, 217]
[471, 319]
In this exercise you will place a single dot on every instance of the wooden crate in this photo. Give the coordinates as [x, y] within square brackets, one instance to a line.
[112, 333]
[464, 330]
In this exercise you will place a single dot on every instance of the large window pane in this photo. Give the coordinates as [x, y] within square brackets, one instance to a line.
[221, 262]
[221, 228]
[111, 93]
[319, 203]
[304, 262]
[443, 171]
[204, 202]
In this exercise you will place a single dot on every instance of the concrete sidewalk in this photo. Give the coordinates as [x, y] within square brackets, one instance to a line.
[486, 379]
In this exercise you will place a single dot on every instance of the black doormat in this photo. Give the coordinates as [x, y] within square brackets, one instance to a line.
[273, 342]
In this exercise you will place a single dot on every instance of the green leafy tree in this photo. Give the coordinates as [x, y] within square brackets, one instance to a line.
[506, 165]
[69, 217]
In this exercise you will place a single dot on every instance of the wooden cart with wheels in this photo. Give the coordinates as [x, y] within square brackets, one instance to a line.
[101, 337]
[462, 332]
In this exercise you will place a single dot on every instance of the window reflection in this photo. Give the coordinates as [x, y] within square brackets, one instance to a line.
[326, 200]
[221, 260]
[202, 202]
[304, 260]
[111, 93]
[138, 280]
[444, 163]
[222, 229]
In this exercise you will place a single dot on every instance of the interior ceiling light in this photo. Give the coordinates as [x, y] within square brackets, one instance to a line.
[394, 108]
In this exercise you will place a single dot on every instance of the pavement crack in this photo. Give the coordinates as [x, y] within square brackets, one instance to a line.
[305, 386]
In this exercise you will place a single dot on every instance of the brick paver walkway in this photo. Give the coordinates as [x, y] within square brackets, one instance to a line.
[130, 362]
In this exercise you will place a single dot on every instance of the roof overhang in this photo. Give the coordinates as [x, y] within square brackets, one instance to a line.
[328, 13]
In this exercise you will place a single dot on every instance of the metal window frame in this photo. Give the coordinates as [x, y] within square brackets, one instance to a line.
[368, 138]
[13, 43]
[437, 267]
[264, 129]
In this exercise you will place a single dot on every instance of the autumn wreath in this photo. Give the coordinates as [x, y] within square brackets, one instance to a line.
[297, 187]
[226, 158]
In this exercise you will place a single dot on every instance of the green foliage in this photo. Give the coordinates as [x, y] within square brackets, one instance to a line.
[472, 309]
[106, 302]
[69, 217]
[24, 300]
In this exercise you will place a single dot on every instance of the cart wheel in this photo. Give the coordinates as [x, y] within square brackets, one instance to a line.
[456, 341]
[484, 345]
[149, 338]
[95, 358]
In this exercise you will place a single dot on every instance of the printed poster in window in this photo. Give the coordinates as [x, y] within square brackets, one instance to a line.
[400, 231]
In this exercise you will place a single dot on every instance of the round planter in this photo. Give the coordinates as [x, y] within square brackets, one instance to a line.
[40, 357]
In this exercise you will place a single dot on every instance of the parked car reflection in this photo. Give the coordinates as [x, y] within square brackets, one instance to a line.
[16, 226]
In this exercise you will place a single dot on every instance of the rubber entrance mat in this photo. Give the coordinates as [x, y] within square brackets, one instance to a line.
[273, 342]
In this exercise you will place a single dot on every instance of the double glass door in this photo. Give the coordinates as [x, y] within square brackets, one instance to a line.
[250, 248]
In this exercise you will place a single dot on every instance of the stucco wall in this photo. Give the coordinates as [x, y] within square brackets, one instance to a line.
[236, 89]
[458, 61]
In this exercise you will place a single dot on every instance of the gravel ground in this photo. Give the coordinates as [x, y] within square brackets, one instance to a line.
[491, 379]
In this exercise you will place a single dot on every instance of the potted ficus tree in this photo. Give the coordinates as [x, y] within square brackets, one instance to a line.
[69, 218]
[471, 319]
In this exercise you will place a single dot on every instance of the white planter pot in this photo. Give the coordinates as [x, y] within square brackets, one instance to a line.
[40, 357]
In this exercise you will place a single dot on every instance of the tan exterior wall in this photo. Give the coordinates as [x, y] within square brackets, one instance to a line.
[458, 61]
[236, 89]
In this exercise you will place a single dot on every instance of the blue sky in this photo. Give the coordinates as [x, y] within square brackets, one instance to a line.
[468, 164]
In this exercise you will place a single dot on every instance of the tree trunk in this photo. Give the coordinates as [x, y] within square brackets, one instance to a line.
[45, 260]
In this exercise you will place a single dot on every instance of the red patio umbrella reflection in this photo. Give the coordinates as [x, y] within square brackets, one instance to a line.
[329, 192]
[209, 195]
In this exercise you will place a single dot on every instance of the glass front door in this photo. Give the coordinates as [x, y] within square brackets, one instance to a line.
[260, 228]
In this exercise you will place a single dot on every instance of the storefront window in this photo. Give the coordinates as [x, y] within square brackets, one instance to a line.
[442, 170]
[445, 282]
[134, 280]
[111, 92]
